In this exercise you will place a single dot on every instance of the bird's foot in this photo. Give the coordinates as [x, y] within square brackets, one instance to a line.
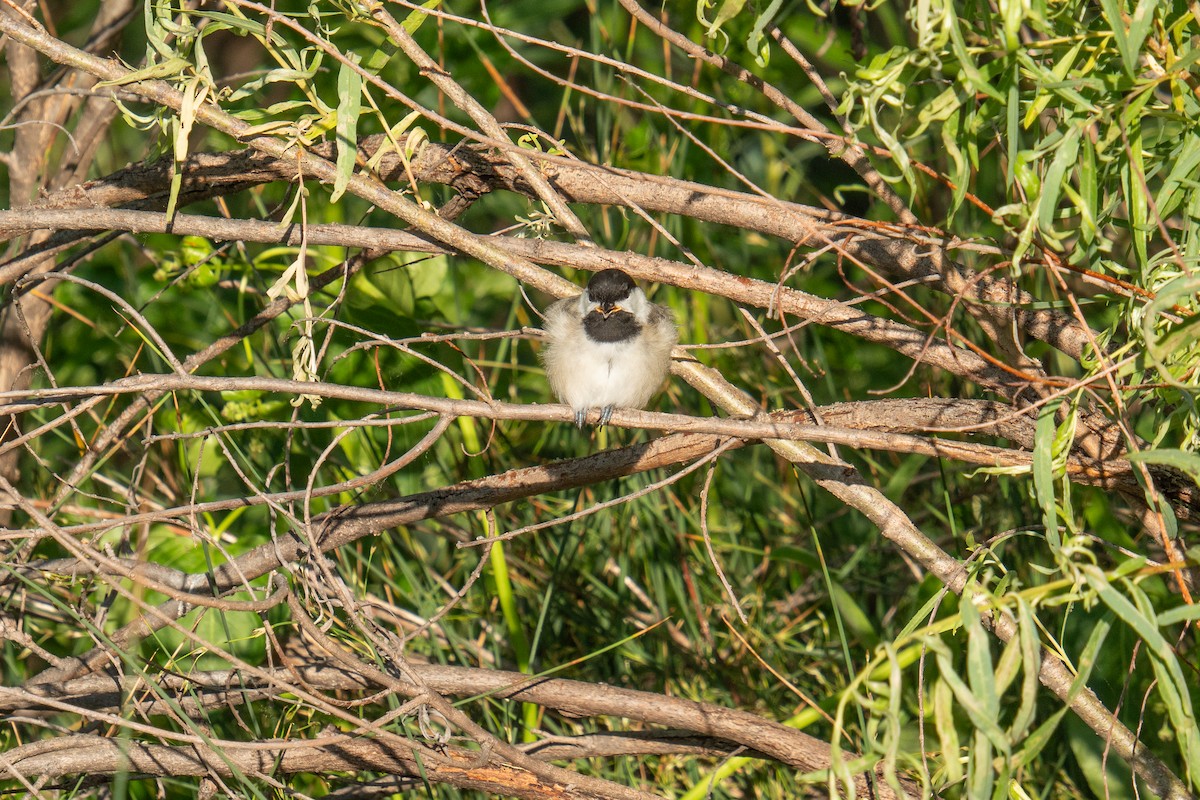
[605, 416]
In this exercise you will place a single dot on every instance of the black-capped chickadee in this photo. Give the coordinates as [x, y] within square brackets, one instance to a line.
[609, 347]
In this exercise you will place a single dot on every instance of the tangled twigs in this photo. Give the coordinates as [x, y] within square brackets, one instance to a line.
[196, 539]
[674, 718]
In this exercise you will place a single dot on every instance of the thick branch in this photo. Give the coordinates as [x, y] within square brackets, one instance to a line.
[910, 342]
[98, 756]
[1113, 473]
[477, 170]
[763, 737]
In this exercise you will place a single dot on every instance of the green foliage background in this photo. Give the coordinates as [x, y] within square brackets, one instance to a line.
[1045, 133]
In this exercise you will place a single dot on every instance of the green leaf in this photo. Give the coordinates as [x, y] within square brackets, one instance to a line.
[1031, 666]
[1129, 40]
[943, 718]
[1108, 777]
[979, 709]
[1184, 613]
[1012, 14]
[756, 42]
[974, 78]
[1043, 472]
[1133, 176]
[1185, 462]
[979, 662]
[1065, 158]
[416, 18]
[1160, 349]
[1041, 736]
[852, 615]
[1171, 683]
[1181, 181]
[348, 110]
[728, 10]
[242, 26]
[194, 95]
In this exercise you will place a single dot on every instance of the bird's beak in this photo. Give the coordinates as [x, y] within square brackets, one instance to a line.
[607, 310]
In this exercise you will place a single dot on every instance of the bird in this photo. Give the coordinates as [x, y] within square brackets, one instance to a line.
[608, 347]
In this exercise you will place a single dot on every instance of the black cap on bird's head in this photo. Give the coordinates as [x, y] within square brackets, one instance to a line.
[609, 287]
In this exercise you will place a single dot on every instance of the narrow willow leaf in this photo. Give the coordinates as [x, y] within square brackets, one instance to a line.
[858, 623]
[1008, 665]
[1112, 12]
[756, 42]
[1192, 241]
[893, 737]
[960, 174]
[271, 126]
[1146, 628]
[1065, 158]
[416, 18]
[975, 78]
[1061, 69]
[979, 660]
[921, 617]
[1181, 181]
[1012, 13]
[194, 94]
[1185, 462]
[1109, 777]
[1184, 613]
[1087, 200]
[1043, 472]
[240, 25]
[392, 142]
[156, 33]
[980, 716]
[1158, 348]
[980, 775]
[1172, 685]
[728, 10]
[1064, 440]
[348, 110]
[1133, 177]
[1041, 736]
[1012, 138]
[943, 719]
[1140, 24]
[1031, 665]
[254, 88]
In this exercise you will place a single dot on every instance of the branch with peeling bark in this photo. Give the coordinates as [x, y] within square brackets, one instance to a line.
[867, 434]
[898, 252]
[681, 726]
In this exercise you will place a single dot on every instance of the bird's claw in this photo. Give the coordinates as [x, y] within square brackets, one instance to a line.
[581, 416]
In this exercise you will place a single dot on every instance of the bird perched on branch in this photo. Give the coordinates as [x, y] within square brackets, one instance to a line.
[609, 347]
